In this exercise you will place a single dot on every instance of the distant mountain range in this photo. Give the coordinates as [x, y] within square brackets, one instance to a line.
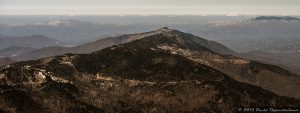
[14, 51]
[71, 32]
[35, 41]
[287, 18]
[274, 34]
[164, 70]
[270, 39]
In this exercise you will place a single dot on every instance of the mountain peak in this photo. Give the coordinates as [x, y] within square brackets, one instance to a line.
[165, 35]
[164, 29]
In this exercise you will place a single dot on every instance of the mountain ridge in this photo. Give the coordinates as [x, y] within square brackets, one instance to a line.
[204, 52]
[238, 68]
[127, 78]
[109, 41]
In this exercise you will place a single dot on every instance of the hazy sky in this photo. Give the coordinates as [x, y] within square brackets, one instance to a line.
[122, 7]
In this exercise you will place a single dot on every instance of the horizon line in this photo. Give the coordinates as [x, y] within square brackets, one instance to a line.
[150, 15]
